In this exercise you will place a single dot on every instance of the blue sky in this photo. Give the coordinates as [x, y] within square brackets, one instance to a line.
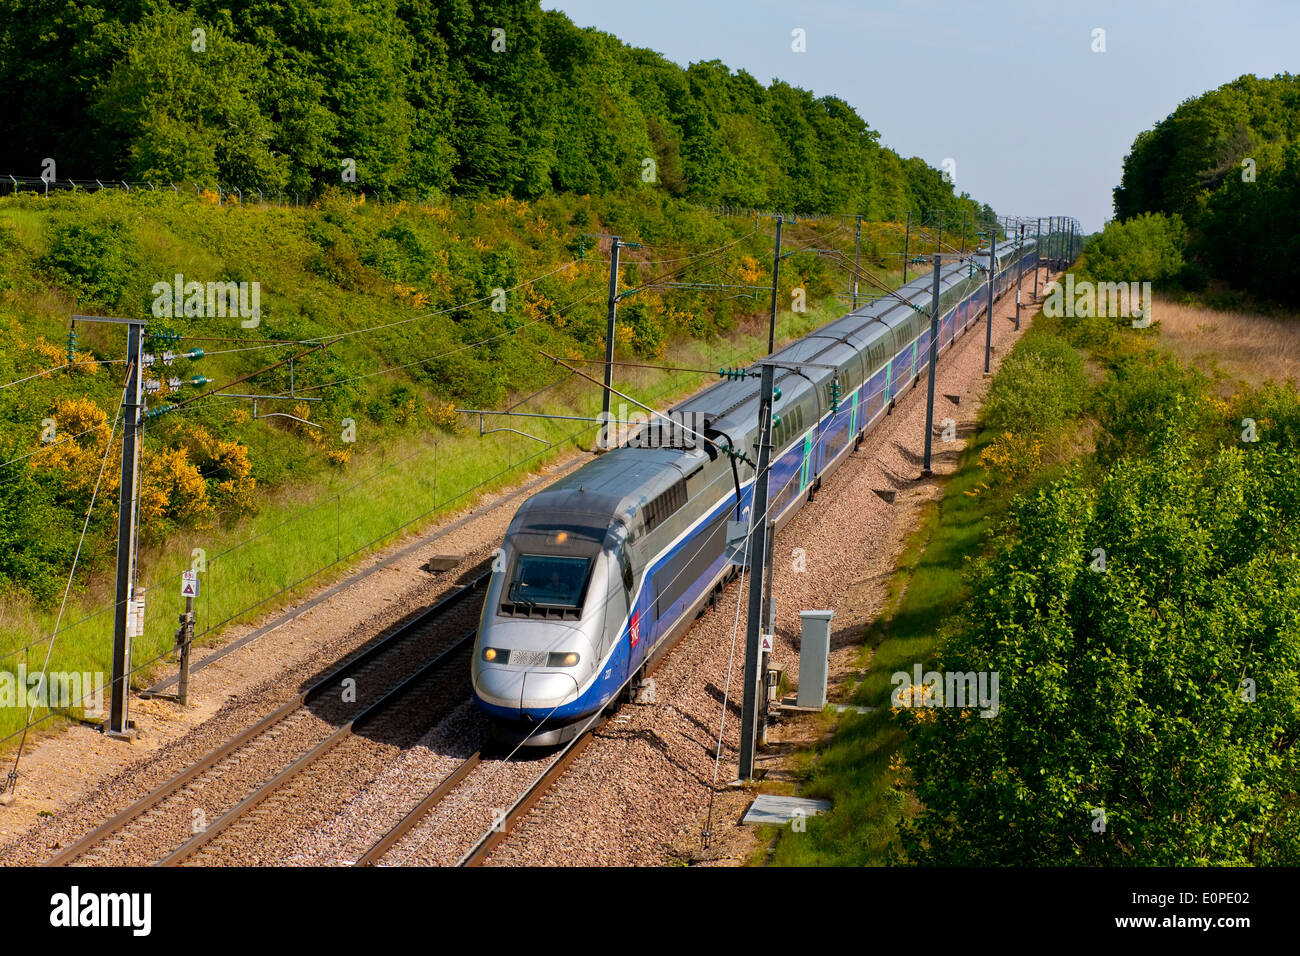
[1037, 123]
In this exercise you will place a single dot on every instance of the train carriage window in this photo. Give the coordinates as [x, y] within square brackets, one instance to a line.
[676, 577]
[662, 506]
[625, 568]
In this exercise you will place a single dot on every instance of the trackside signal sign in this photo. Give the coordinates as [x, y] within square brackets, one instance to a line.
[189, 584]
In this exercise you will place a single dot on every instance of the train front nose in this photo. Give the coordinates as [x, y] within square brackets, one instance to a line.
[544, 692]
[529, 681]
[522, 695]
[501, 688]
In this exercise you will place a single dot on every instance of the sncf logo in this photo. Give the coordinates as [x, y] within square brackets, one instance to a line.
[634, 629]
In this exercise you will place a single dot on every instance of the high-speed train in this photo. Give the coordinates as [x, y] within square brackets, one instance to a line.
[604, 568]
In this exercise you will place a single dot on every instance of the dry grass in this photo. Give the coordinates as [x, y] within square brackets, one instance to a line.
[1254, 348]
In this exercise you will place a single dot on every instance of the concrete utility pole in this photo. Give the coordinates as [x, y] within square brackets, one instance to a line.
[934, 356]
[1038, 253]
[765, 658]
[614, 244]
[757, 556]
[1020, 268]
[993, 271]
[857, 263]
[907, 242]
[119, 721]
[776, 274]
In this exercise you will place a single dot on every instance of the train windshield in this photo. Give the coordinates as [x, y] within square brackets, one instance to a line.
[549, 580]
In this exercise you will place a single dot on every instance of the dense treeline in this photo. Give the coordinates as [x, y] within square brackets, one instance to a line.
[1228, 164]
[428, 98]
[1142, 608]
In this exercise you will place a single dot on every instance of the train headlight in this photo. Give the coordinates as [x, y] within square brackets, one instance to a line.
[496, 656]
[562, 659]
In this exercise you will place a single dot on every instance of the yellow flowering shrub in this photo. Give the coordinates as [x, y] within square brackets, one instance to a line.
[536, 305]
[750, 272]
[1013, 457]
[444, 415]
[225, 465]
[171, 486]
[81, 429]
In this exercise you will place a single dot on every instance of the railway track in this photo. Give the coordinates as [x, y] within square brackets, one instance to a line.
[458, 789]
[467, 814]
[169, 825]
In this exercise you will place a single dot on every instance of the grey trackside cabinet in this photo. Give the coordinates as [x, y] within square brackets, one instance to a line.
[814, 657]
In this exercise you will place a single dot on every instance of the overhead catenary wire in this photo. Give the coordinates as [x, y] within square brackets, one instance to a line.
[60, 368]
[53, 444]
[451, 308]
[48, 371]
[660, 368]
[244, 378]
[698, 255]
[551, 313]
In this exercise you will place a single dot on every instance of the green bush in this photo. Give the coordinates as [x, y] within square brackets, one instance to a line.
[36, 539]
[1146, 248]
[95, 261]
[1121, 687]
[1148, 396]
[1039, 386]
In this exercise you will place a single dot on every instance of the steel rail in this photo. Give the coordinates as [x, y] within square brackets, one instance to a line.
[404, 826]
[478, 854]
[327, 683]
[371, 711]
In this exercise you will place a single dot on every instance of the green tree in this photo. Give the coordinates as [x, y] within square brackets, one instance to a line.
[1149, 711]
[1145, 248]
